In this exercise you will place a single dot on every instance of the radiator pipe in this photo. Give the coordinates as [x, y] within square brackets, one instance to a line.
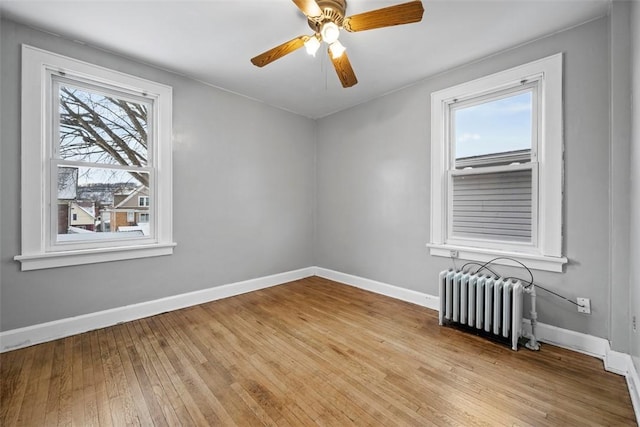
[533, 342]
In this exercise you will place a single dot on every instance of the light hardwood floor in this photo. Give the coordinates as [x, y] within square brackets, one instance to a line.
[311, 352]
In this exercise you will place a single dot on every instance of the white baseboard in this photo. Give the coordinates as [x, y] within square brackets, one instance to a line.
[30, 335]
[571, 340]
[392, 291]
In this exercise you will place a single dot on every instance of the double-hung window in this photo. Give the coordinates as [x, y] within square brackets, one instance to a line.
[91, 137]
[496, 178]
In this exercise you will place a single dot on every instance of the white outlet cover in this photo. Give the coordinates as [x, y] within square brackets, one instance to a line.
[584, 305]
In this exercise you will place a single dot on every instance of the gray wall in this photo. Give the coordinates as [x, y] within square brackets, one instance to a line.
[261, 191]
[619, 166]
[373, 181]
[634, 283]
[243, 197]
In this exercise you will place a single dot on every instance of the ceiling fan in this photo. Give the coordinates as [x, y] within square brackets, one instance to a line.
[326, 18]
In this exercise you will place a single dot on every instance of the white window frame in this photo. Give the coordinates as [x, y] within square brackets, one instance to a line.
[38, 66]
[143, 201]
[546, 251]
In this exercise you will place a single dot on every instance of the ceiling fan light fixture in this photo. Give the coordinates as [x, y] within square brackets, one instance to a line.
[337, 49]
[312, 45]
[330, 32]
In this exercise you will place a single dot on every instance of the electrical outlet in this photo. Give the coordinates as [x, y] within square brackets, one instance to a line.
[584, 305]
[453, 253]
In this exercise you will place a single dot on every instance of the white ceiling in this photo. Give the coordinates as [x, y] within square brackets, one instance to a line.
[213, 40]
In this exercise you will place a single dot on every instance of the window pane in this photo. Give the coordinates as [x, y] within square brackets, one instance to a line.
[498, 126]
[101, 129]
[493, 206]
[99, 204]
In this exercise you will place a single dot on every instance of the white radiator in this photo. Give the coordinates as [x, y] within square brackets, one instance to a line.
[484, 303]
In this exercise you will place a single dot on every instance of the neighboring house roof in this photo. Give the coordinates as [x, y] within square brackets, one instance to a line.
[141, 189]
[78, 230]
[142, 228]
[142, 209]
[90, 210]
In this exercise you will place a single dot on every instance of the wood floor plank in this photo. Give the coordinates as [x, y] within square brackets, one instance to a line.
[37, 406]
[89, 389]
[54, 389]
[65, 404]
[130, 383]
[77, 382]
[194, 386]
[155, 382]
[119, 408]
[185, 407]
[105, 417]
[216, 379]
[14, 385]
[305, 353]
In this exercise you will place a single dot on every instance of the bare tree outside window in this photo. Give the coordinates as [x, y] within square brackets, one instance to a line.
[102, 129]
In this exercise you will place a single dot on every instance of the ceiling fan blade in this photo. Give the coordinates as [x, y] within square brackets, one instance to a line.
[279, 51]
[343, 68]
[309, 7]
[404, 13]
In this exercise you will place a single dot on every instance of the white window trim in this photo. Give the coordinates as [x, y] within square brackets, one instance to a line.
[548, 255]
[36, 64]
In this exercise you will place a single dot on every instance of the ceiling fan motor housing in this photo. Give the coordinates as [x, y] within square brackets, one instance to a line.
[332, 11]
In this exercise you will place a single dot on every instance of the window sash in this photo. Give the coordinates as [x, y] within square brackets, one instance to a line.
[521, 160]
[53, 82]
[527, 85]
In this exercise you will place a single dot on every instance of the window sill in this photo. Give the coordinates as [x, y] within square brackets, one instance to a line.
[536, 262]
[41, 261]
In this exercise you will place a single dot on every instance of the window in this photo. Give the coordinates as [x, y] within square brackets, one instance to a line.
[496, 172]
[131, 216]
[103, 134]
[90, 137]
[143, 218]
